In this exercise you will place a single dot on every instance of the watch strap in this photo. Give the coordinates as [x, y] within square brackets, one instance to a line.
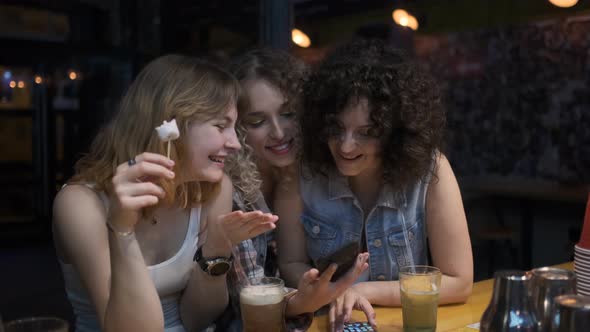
[207, 262]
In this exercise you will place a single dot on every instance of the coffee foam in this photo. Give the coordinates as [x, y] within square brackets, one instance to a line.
[261, 295]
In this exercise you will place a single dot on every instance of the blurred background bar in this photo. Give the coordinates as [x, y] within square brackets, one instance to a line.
[515, 77]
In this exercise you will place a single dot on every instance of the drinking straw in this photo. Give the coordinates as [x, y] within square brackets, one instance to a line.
[240, 272]
[407, 242]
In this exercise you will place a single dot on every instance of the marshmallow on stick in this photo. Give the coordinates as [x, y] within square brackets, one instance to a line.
[167, 132]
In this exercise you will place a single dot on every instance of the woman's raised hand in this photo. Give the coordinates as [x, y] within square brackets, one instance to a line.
[134, 188]
[239, 225]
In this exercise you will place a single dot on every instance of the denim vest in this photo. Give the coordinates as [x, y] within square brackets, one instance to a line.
[395, 228]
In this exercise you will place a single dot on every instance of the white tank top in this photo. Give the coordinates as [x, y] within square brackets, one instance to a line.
[170, 278]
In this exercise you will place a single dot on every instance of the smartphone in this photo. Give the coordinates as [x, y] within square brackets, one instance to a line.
[358, 327]
[344, 257]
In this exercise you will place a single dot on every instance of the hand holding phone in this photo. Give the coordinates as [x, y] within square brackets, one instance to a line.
[344, 257]
[316, 289]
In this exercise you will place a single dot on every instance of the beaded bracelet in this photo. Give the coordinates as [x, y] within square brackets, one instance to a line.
[117, 232]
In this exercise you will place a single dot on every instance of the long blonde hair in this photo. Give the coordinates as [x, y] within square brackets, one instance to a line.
[286, 73]
[172, 86]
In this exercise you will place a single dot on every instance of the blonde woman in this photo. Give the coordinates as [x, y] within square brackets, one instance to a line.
[144, 241]
[268, 130]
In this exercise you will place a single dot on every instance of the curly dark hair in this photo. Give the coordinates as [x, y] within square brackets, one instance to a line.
[405, 104]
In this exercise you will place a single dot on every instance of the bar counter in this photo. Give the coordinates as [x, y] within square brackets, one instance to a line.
[451, 317]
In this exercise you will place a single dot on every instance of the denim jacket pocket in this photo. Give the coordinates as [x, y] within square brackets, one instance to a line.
[405, 255]
[320, 236]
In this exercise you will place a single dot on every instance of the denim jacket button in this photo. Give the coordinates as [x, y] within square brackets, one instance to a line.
[381, 277]
[377, 243]
[316, 229]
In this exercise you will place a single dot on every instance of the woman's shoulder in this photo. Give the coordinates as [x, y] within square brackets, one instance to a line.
[71, 195]
[79, 216]
[441, 167]
[74, 201]
[437, 158]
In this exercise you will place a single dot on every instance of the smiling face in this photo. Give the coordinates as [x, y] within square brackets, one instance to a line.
[270, 126]
[210, 142]
[353, 143]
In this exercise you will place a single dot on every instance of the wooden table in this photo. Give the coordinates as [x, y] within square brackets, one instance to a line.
[452, 317]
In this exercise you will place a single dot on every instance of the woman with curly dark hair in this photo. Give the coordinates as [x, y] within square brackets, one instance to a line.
[372, 129]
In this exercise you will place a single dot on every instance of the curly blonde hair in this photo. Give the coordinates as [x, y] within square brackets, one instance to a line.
[243, 170]
[286, 73]
[170, 87]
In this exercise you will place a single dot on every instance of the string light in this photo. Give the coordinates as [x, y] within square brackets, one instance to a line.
[300, 38]
[21, 84]
[403, 21]
[412, 23]
[398, 14]
[38, 79]
[12, 84]
[564, 3]
[73, 75]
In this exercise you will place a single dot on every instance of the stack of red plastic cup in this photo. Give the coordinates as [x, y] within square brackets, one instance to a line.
[582, 256]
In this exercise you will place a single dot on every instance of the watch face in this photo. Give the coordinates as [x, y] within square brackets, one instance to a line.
[219, 268]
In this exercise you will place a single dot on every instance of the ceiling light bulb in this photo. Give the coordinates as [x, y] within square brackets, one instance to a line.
[403, 21]
[564, 3]
[398, 14]
[412, 23]
[300, 38]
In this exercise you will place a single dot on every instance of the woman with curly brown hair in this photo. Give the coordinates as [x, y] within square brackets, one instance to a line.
[372, 128]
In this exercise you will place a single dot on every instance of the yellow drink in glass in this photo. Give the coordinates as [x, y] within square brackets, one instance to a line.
[419, 289]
